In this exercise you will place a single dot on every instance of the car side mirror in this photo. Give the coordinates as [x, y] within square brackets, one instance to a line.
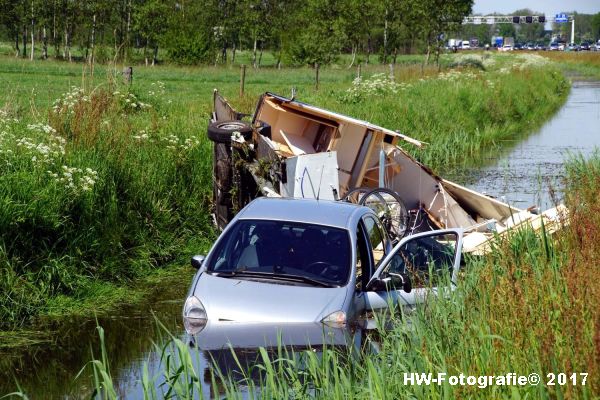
[401, 280]
[391, 282]
[197, 261]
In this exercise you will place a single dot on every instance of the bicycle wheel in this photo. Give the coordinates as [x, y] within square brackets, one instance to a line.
[390, 209]
[355, 195]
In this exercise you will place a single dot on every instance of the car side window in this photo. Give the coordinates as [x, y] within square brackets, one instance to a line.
[427, 260]
[376, 239]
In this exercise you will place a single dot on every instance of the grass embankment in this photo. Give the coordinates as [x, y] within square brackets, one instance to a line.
[532, 307]
[582, 63]
[101, 185]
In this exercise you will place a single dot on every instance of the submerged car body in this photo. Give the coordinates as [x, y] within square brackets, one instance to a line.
[303, 261]
[297, 150]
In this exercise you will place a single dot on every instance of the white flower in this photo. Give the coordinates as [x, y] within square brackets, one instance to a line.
[237, 137]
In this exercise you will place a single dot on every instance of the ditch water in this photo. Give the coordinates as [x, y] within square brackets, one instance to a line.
[531, 172]
[522, 175]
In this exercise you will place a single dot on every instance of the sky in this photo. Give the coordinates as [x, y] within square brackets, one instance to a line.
[548, 7]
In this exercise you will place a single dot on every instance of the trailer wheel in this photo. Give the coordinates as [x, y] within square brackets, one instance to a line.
[221, 131]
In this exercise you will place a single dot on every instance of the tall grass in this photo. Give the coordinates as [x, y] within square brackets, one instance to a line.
[106, 183]
[584, 63]
[92, 195]
[532, 307]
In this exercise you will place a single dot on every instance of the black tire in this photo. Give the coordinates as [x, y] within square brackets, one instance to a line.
[221, 131]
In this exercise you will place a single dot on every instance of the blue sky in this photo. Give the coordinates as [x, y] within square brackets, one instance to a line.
[548, 7]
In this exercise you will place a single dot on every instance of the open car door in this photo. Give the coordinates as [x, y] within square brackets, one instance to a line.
[429, 261]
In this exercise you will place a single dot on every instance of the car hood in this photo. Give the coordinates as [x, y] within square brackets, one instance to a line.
[219, 335]
[243, 300]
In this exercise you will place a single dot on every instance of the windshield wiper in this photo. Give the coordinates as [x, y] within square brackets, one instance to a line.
[303, 279]
[243, 271]
[234, 272]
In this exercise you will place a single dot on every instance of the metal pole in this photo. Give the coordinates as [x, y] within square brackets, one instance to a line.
[573, 30]
[381, 168]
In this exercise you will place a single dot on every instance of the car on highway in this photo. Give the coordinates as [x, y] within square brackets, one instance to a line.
[506, 47]
[572, 47]
[553, 46]
[284, 260]
[585, 46]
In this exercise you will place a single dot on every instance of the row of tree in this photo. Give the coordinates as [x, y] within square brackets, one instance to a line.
[211, 31]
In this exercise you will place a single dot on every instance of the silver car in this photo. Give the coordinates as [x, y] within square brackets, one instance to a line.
[302, 261]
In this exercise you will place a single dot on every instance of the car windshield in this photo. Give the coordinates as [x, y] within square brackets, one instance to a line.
[284, 250]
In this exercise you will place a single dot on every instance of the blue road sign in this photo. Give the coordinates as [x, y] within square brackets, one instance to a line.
[561, 18]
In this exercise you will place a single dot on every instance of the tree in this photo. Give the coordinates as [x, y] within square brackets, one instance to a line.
[319, 34]
[192, 33]
[280, 16]
[436, 17]
[481, 32]
[10, 18]
[252, 23]
[507, 30]
[595, 26]
[357, 21]
[150, 23]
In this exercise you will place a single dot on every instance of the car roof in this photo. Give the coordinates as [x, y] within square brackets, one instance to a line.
[319, 212]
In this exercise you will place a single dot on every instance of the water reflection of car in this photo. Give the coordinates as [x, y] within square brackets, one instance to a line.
[234, 349]
[302, 261]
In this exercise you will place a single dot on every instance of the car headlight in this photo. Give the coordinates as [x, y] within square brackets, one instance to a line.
[335, 319]
[194, 309]
[194, 315]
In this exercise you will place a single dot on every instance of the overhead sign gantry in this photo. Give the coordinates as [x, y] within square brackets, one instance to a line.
[521, 19]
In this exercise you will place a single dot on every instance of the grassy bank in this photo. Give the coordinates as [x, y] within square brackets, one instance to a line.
[101, 183]
[583, 63]
[532, 307]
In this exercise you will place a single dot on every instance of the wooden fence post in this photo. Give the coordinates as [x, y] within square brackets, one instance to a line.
[317, 76]
[128, 75]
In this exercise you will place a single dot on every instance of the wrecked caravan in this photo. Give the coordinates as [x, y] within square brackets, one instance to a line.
[291, 149]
